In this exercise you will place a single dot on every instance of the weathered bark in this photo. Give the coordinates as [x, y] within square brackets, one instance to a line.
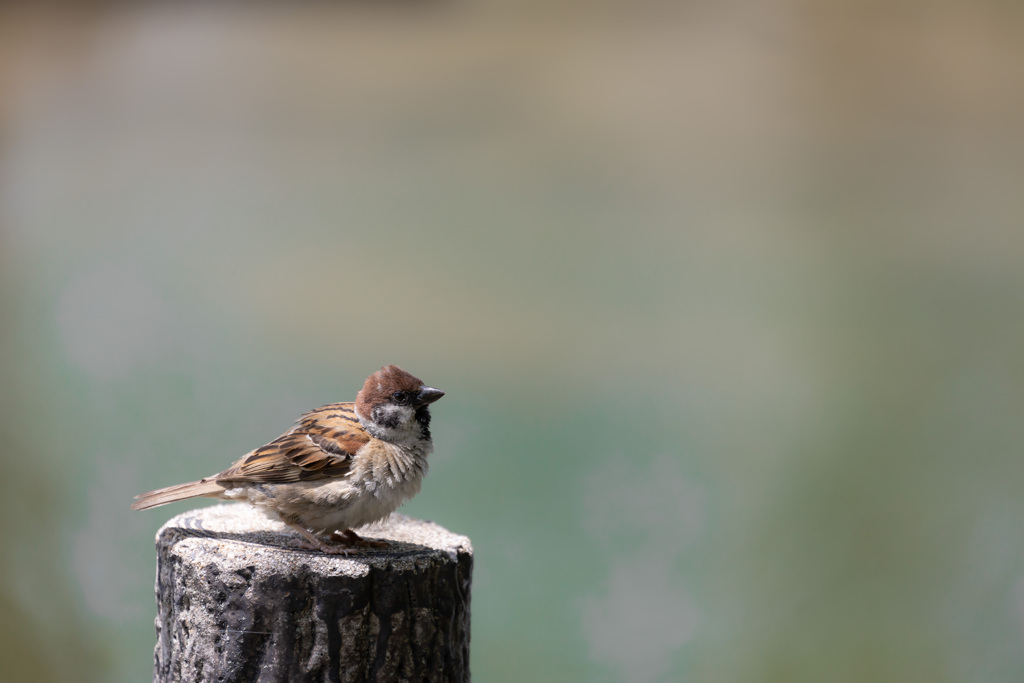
[237, 601]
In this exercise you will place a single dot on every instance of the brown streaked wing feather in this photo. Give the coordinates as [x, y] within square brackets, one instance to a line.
[333, 414]
[320, 446]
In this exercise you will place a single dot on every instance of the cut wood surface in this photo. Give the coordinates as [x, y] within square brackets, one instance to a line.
[238, 600]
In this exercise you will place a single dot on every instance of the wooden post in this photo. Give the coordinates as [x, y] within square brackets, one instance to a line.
[238, 602]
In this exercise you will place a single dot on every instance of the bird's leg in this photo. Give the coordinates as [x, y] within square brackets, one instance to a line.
[314, 543]
[351, 538]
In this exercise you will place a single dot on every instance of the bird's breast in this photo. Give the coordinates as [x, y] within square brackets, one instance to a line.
[384, 469]
[382, 477]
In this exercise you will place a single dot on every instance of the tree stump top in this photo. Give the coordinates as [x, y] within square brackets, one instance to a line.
[239, 534]
[239, 601]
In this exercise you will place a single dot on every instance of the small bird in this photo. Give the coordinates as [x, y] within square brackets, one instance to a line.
[341, 466]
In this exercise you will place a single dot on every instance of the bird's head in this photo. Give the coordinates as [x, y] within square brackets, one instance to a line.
[392, 403]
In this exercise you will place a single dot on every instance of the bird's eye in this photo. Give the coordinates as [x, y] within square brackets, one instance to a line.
[398, 396]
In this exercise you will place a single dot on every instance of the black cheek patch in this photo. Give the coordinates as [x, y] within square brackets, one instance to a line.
[384, 418]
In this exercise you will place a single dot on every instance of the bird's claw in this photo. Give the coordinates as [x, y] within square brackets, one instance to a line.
[352, 539]
[327, 548]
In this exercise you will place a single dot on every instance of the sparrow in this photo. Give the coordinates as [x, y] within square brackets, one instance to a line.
[341, 466]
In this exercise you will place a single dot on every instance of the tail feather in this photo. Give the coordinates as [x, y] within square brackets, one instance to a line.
[192, 489]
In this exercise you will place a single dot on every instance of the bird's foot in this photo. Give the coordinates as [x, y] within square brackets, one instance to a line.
[352, 539]
[312, 542]
[327, 548]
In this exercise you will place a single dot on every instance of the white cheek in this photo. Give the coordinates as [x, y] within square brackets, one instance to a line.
[400, 414]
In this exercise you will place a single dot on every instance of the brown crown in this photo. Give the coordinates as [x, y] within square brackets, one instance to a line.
[380, 385]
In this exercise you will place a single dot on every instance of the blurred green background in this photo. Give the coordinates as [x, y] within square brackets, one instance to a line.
[728, 300]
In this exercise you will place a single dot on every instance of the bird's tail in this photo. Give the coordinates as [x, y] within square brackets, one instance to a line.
[192, 489]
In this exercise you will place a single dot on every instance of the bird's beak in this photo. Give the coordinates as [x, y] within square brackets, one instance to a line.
[428, 395]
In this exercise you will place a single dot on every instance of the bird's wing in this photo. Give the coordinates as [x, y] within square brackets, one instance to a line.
[320, 446]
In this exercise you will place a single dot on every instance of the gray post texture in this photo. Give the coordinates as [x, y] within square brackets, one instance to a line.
[237, 601]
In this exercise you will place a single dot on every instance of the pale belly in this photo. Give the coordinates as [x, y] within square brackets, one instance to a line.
[367, 495]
